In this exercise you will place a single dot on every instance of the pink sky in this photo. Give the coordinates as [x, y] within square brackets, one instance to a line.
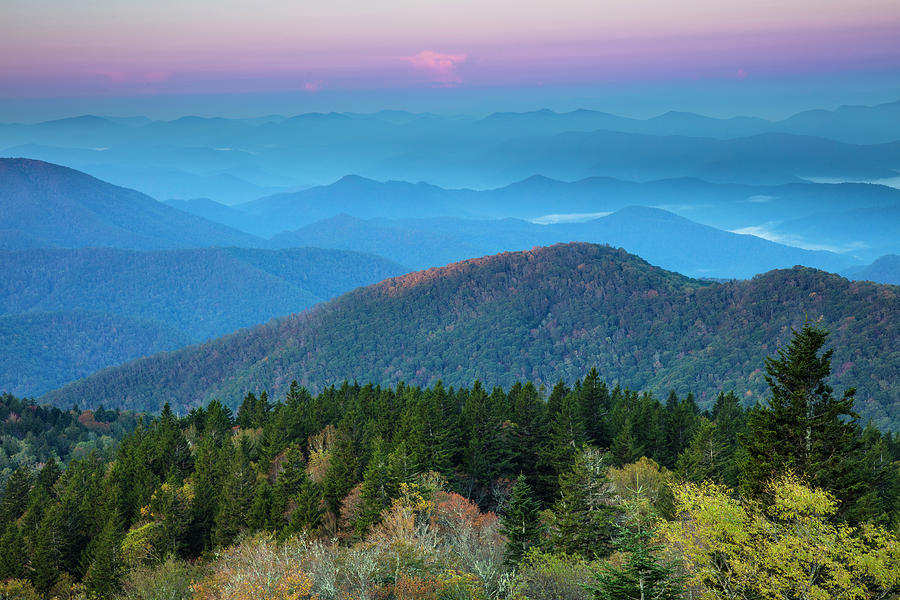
[58, 47]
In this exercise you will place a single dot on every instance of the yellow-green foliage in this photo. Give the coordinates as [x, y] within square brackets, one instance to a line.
[139, 543]
[546, 576]
[792, 549]
[169, 580]
[18, 589]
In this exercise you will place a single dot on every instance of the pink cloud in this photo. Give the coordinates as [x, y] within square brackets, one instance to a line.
[311, 87]
[442, 68]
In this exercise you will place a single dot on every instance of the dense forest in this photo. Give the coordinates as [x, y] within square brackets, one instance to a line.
[72, 312]
[540, 315]
[588, 490]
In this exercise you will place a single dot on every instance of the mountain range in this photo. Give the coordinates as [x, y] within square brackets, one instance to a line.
[662, 238]
[545, 314]
[856, 220]
[239, 160]
[67, 313]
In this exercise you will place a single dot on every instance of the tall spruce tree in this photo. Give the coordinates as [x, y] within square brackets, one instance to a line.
[804, 427]
[521, 521]
[583, 512]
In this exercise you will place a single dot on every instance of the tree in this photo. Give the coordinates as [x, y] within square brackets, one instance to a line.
[521, 521]
[643, 576]
[106, 568]
[565, 440]
[706, 456]
[804, 428]
[583, 512]
[791, 548]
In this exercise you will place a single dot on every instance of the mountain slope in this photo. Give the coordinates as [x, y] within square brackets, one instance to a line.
[884, 270]
[68, 209]
[662, 238]
[152, 301]
[544, 314]
[42, 351]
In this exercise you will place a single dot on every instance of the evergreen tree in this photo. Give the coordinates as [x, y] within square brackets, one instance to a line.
[804, 427]
[583, 512]
[236, 499]
[309, 510]
[565, 441]
[12, 544]
[706, 455]
[380, 485]
[643, 576]
[625, 447]
[342, 473]
[290, 476]
[45, 545]
[521, 521]
[15, 496]
[594, 405]
[106, 568]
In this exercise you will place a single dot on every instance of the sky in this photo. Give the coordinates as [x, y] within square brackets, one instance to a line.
[277, 55]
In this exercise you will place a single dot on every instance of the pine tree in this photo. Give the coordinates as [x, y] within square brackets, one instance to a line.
[309, 509]
[380, 485]
[291, 474]
[11, 545]
[236, 499]
[706, 457]
[15, 496]
[804, 428]
[521, 522]
[643, 576]
[583, 512]
[594, 405]
[565, 441]
[106, 568]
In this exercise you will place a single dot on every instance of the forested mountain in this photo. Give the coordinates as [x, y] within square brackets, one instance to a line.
[660, 237]
[67, 313]
[589, 491]
[544, 314]
[47, 205]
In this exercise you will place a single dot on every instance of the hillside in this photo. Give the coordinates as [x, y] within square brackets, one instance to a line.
[43, 350]
[53, 206]
[543, 314]
[884, 270]
[661, 237]
[151, 301]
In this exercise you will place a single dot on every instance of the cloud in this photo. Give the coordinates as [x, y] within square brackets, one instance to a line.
[760, 199]
[569, 218]
[441, 68]
[767, 231]
[312, 87]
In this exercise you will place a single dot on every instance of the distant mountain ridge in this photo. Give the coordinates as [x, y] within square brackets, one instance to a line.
[544, 314]
[238, 160]
[54, 206]
[884, 270]
[660, 237]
